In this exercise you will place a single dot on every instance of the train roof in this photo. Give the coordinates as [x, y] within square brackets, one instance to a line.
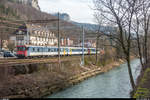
[53, 46]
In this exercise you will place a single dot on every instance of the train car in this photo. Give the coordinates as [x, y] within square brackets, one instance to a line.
[25, 51]
[92, 51]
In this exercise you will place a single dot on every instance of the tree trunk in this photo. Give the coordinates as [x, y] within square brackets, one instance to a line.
[130, 73]
[140, 52]
[146, 60]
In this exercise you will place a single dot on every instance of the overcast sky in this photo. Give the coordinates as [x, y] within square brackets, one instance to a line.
[79, 10]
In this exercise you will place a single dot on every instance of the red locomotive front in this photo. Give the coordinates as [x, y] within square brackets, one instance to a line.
[21, 51]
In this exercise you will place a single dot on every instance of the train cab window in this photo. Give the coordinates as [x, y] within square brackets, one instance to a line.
[21, 48]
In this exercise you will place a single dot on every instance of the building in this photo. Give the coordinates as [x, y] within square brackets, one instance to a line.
[66, 42]
[32, 34]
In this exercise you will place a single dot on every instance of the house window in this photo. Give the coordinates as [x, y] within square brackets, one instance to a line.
[39, 33]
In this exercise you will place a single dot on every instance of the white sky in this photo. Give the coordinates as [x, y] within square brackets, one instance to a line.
[79, 10]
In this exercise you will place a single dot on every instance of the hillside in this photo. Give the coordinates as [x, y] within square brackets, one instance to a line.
[87, 26]
[67, 28]
[7, 13]
[26, 12]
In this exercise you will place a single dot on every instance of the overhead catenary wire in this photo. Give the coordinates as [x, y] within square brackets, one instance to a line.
[73, 28]
[12, 28]
[7, 22]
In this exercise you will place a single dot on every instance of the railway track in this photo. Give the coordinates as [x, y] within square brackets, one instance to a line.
[13, 62]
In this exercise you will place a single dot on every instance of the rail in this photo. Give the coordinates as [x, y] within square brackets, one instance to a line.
[14, 62]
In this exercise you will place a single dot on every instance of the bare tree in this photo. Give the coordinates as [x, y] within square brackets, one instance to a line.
[145, 24]
[136, 29]
[141, 28]
[120, 13]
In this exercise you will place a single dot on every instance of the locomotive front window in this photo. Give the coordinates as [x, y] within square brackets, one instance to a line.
[21, 48]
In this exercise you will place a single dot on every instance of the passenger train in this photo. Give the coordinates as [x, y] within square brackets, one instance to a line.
[27, 51]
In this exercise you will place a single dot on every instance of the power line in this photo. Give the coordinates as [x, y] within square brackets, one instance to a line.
[12, 28]
[7, 22]
[5, 18]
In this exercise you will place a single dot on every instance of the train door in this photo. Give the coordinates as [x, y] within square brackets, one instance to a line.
[70, 51]
[64, 51]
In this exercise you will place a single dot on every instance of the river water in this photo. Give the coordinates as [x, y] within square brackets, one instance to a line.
[113, 84]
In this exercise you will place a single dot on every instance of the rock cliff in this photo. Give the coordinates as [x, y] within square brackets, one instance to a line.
[33, 3]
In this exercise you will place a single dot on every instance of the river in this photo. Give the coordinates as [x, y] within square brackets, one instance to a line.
[113, 84]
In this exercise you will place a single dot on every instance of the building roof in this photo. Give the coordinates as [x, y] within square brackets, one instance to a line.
[21, 28]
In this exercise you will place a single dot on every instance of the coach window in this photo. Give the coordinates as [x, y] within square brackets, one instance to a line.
[73, 50]
[66, 50]
[55, 50]
[49, 50]
[38, 50]
[41, 49]
[33, 49]
[52, 50]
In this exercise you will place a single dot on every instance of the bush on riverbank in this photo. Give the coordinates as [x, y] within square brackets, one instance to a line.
[143, 88]
[91, 60]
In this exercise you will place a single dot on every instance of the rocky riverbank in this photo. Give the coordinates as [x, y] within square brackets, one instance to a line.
[44, 79]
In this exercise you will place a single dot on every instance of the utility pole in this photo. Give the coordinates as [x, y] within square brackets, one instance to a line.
[82, 62]
[28, 38]
[97, 43]
[80, 39]
[96, 47]
[58, 42]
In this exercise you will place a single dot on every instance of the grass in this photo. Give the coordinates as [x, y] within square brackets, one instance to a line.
[143, 90]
